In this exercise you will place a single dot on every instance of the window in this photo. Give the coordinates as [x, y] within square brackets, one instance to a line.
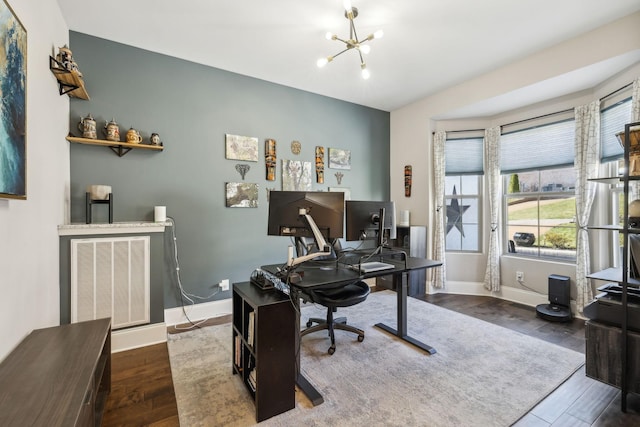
[463, 202]
[540, 211]
[539, 190]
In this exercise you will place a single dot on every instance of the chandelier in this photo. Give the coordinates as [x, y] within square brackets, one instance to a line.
[352, 42]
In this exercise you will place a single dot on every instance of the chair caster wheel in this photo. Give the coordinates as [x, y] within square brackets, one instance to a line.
[332, 349]
[309, 323]
[360, 338]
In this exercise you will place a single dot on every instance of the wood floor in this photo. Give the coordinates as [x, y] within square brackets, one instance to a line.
[142, 389]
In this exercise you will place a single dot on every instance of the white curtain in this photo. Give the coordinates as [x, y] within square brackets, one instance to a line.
[587, 149]
[635, 101]
[492, 173]
[439, 274]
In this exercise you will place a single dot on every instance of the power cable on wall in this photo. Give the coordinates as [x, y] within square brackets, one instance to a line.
[186, 298]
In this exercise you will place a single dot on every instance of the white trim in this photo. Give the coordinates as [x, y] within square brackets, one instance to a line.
[206, 310]
[113, 228]
[507, 293]
[141, 336]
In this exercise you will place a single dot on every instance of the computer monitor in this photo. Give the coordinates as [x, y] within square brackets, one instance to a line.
[368, 220]
[300, 214]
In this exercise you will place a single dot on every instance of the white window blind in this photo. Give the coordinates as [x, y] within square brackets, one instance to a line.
[612, 121]
[464, 156]
[546, 146]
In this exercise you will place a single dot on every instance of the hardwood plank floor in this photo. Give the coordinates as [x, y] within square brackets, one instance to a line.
[142, 389]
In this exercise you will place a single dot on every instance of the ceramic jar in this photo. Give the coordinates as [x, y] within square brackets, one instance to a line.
[88, 127]
[133, 136]
[112, 131]
[155, 139]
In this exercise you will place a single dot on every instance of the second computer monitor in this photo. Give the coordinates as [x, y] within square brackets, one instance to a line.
[363, 220]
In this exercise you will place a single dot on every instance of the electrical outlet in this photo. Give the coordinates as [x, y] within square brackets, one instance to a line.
[519, 276]
[224, 285]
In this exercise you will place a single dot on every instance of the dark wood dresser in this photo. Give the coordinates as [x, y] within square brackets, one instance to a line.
[58, 376]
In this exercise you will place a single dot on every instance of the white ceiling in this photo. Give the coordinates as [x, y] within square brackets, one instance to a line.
[428, 46]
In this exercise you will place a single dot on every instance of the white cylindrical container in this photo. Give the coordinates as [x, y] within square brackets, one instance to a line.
[160, 213]
[404, 218]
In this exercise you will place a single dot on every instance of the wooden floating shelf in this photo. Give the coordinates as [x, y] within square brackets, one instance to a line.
[120, 148]
[69, 81]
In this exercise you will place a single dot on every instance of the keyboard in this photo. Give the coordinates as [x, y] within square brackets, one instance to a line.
[370, 267]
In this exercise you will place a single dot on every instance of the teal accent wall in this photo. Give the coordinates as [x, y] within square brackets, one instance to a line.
[192, 107]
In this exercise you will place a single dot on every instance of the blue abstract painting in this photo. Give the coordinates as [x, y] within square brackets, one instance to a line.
[13, 113]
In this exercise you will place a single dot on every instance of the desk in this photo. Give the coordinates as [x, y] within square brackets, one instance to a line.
[332, 274]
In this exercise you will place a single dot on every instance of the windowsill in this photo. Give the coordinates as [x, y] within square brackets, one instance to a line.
[114, 228]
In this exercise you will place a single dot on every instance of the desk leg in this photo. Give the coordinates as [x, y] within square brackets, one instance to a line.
[402, 295]
[303, 384]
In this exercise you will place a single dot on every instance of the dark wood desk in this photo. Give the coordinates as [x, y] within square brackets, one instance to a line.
[332, 274]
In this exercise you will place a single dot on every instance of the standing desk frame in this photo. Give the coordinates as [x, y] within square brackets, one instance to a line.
[323, 275]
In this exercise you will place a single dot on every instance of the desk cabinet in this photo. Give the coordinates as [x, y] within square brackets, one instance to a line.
[412, 240]
[58, 376]
[603, 355]
[264, 336]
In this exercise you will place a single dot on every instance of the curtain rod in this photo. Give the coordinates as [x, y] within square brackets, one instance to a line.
[539, 117]
[461, 131]
[616, 91]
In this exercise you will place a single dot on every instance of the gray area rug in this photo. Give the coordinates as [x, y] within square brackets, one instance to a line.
[481, 375]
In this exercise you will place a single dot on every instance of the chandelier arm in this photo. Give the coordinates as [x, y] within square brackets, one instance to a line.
[341, 52]
[352, 30]
[361, 59]
[343, 41]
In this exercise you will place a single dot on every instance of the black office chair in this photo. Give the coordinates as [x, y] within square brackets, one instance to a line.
[345, 296]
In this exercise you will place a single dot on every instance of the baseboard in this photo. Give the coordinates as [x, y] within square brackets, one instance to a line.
[141, 336]
[520, 296]
[205, 310]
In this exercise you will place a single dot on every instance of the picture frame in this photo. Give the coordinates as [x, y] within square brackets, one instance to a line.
[239, 147]
[296, 175]
[339, 159]
[13, 81]
[345, 190]
[241, 195]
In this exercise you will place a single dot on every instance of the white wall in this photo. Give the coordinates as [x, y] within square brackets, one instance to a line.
[412, 126]
[29, 272]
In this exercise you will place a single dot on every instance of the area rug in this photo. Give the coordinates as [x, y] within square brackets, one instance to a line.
[481, 375]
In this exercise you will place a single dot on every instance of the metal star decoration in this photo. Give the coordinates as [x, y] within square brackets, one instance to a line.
[455, 211]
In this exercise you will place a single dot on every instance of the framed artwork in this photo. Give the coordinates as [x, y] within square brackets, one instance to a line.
[241, 148]
[242, 195]
[339, 158]
[345, 190]
[296, 175]
[13, 111]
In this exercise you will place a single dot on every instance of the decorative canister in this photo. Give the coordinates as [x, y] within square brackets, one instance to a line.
[88, 127]
[133, 136]
[112, 131]
[155, 139]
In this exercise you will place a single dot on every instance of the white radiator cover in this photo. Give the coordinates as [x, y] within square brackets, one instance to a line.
[110, 278]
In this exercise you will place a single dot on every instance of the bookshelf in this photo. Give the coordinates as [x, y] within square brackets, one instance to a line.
[264, 337]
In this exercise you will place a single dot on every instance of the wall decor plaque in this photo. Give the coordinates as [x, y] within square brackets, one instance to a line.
[242, 195]
[296, 175]
[339, 158]
[270, 158]
[320, 165]
[241, 148]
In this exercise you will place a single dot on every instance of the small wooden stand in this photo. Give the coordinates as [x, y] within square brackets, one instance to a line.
[90, 202]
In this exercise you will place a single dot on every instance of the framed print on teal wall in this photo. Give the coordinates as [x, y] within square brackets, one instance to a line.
[13, 111]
